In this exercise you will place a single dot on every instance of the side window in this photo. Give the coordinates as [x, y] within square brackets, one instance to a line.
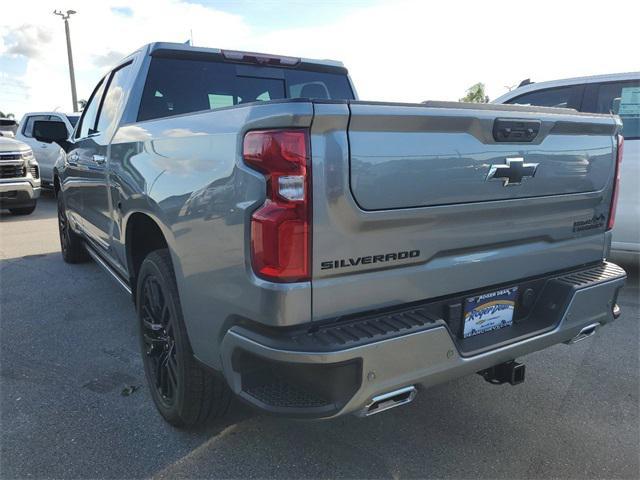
[73, 119]
[550, 97]
[57, 118]
[217, 100]
[27, 129]
[303, 84]
[113, 98]
[621, 98]
[88, 119]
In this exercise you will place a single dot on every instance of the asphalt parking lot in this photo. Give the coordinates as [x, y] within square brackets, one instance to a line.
[69, 357]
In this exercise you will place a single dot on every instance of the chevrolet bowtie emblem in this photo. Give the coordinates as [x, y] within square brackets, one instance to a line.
[513, 172]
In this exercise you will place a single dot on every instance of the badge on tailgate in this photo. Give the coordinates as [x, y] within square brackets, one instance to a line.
[513, 172]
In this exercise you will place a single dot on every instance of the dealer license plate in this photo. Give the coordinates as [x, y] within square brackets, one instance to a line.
[489, 311]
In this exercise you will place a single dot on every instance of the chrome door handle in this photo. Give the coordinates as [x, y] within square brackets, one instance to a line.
[99, 159]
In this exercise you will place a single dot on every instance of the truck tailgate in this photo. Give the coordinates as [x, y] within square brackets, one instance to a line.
[404, 209]
[407, 157]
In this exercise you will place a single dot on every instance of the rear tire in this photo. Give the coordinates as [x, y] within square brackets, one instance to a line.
[73, 250]
[184, 392]
[23, 210]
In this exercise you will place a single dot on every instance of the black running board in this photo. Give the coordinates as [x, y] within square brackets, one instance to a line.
[107, 268]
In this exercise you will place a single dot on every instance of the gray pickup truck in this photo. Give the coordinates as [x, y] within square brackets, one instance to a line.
[317, 255]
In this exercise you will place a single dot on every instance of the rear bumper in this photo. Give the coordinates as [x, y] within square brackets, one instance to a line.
[338, 368]
[19, 192]
[625, 253]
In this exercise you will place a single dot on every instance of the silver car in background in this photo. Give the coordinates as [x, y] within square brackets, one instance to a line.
[19, 177]
[615, 93]
[46, 153]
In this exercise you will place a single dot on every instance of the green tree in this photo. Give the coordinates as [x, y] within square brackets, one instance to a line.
[475, 94]
[7, 115]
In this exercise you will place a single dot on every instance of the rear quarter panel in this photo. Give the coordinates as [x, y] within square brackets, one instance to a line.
[186, 172]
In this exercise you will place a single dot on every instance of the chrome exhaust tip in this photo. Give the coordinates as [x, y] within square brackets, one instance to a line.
[390, 400]
[586, 332]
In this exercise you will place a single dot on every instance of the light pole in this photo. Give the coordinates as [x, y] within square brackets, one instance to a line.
[65, 17]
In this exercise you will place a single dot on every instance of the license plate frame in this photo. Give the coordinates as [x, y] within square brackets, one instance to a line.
[489, 311]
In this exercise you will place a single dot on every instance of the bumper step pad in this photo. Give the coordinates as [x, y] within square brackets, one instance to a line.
[586, 278]
[349, 334]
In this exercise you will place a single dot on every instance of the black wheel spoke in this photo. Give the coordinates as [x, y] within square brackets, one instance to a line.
[165, 315]
[172, 369]
[146, 312]
[161, 378]
[157, 335]
[151, 341]
[63, 227]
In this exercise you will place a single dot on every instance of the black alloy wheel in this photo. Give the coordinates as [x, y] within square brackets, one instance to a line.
[186, 393]
[158, 325]
[71, 246]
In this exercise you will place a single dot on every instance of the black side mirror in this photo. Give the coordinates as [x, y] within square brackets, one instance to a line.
[49, 131]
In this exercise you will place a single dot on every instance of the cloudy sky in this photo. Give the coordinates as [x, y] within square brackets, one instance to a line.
[395, 50]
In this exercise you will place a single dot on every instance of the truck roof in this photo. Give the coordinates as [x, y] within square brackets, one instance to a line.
[244, 57]
[54, 112]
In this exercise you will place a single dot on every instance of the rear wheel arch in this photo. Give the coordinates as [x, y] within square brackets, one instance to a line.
[143, 235]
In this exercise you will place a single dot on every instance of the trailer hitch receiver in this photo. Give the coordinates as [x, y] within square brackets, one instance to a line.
[509, 372]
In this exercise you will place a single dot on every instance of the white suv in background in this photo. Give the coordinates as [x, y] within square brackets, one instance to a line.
[615, 93]
[46, 153]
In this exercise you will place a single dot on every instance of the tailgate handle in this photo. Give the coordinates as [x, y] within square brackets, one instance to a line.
[514, 130]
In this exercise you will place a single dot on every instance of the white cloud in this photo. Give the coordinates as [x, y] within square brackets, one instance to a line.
[28, 40]
[107, 59]
[99, 34]
[397, 51]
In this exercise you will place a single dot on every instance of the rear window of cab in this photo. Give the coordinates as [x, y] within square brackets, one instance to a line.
[176, 86]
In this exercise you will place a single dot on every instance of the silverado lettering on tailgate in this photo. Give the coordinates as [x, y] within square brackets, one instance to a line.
[368, 259]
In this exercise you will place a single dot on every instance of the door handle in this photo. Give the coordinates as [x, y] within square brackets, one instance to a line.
[515, 130]
[99, 159]
[72, 159]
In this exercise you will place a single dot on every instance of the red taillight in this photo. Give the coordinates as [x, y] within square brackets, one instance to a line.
[616, 184]
[281, 227]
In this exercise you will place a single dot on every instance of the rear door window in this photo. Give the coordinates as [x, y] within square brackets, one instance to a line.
[112, 99]
[563, 97]
[177, 86]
